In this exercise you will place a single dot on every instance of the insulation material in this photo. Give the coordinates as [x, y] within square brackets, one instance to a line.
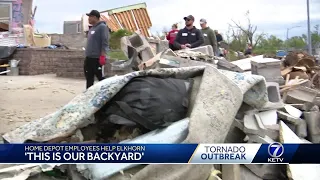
[133, 18]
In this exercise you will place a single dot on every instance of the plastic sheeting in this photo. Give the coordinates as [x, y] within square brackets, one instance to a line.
[6, 51]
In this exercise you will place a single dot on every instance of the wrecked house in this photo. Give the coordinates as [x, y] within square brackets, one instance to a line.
[13, 15]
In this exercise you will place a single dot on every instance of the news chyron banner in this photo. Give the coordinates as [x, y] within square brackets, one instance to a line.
[160, 153]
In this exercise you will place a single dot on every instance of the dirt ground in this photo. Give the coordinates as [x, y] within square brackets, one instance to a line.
[27, 98]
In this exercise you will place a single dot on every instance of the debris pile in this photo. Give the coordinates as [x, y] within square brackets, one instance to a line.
[301, 67]
[294, 116]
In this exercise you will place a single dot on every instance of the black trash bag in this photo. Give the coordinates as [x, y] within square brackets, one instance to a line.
[148, 102]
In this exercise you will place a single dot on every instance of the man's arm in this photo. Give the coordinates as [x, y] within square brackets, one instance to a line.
[104, 40]
[213, 40]
[177, 40]
[199, 41]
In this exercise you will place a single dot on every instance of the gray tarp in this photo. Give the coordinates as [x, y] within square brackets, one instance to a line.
[219, 97]
[6, 51]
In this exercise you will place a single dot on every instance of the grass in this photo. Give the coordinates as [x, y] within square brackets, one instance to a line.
[117, 55]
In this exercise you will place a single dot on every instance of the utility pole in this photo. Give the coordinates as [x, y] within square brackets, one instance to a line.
[309, 31]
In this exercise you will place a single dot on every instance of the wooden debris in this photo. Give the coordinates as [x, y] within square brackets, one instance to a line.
[297, 82]
[286, 71]
[301, 68]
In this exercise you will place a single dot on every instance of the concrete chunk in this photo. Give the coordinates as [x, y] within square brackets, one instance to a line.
[292, 111]
[269, 118]
[246, 174]
[227, 65]
[237, 172]
[251, 126]
[273, 92]
[275, 101]
[273, 132]
[315, 108]
[304, 107]
[313, 122]
[288, 118]
[298, 171]
[231, 171]
[208, 50]
[259, 122]
[268, 68]
[317, 101]
[301, 129]
[315, 138]
[245, 64]
[140, 44]
[239, 124]
[258, 139]
[235, 134]
[265, 171]
[301, 94]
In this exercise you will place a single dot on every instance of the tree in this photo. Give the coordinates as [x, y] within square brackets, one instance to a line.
[250, 32]
[237, 39]
[296, 42]
[116, 36]
[315, 36]
[269, 45]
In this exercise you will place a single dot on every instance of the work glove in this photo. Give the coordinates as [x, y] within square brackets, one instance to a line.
[102, 60]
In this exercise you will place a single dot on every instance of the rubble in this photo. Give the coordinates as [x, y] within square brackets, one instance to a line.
[228, 104]
[302, 95]
[268, 68]
[298, 171]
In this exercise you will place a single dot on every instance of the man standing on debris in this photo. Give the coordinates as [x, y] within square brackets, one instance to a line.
[248, 51]
[218, 36]
[209, 36]
[96, 50]
[171, 36]
[190, 36]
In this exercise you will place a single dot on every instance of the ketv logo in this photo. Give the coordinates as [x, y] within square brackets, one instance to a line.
[275, 150]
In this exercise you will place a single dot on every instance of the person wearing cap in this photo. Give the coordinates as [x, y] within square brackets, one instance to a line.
[209, 36]
[171, 36]
[190, 36]
[97, 47]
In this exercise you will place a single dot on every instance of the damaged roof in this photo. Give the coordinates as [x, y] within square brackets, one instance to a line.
[133, 17]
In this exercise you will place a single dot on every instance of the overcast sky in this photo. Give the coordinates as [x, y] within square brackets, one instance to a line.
[271, 16]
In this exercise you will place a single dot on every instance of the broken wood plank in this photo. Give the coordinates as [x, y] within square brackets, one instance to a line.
[300, 81]
[286, 71]
[302, 68]
[297, 171]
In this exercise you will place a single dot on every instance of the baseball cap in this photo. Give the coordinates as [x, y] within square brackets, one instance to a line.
[94, 13]
[203, 21]
[189, 17]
